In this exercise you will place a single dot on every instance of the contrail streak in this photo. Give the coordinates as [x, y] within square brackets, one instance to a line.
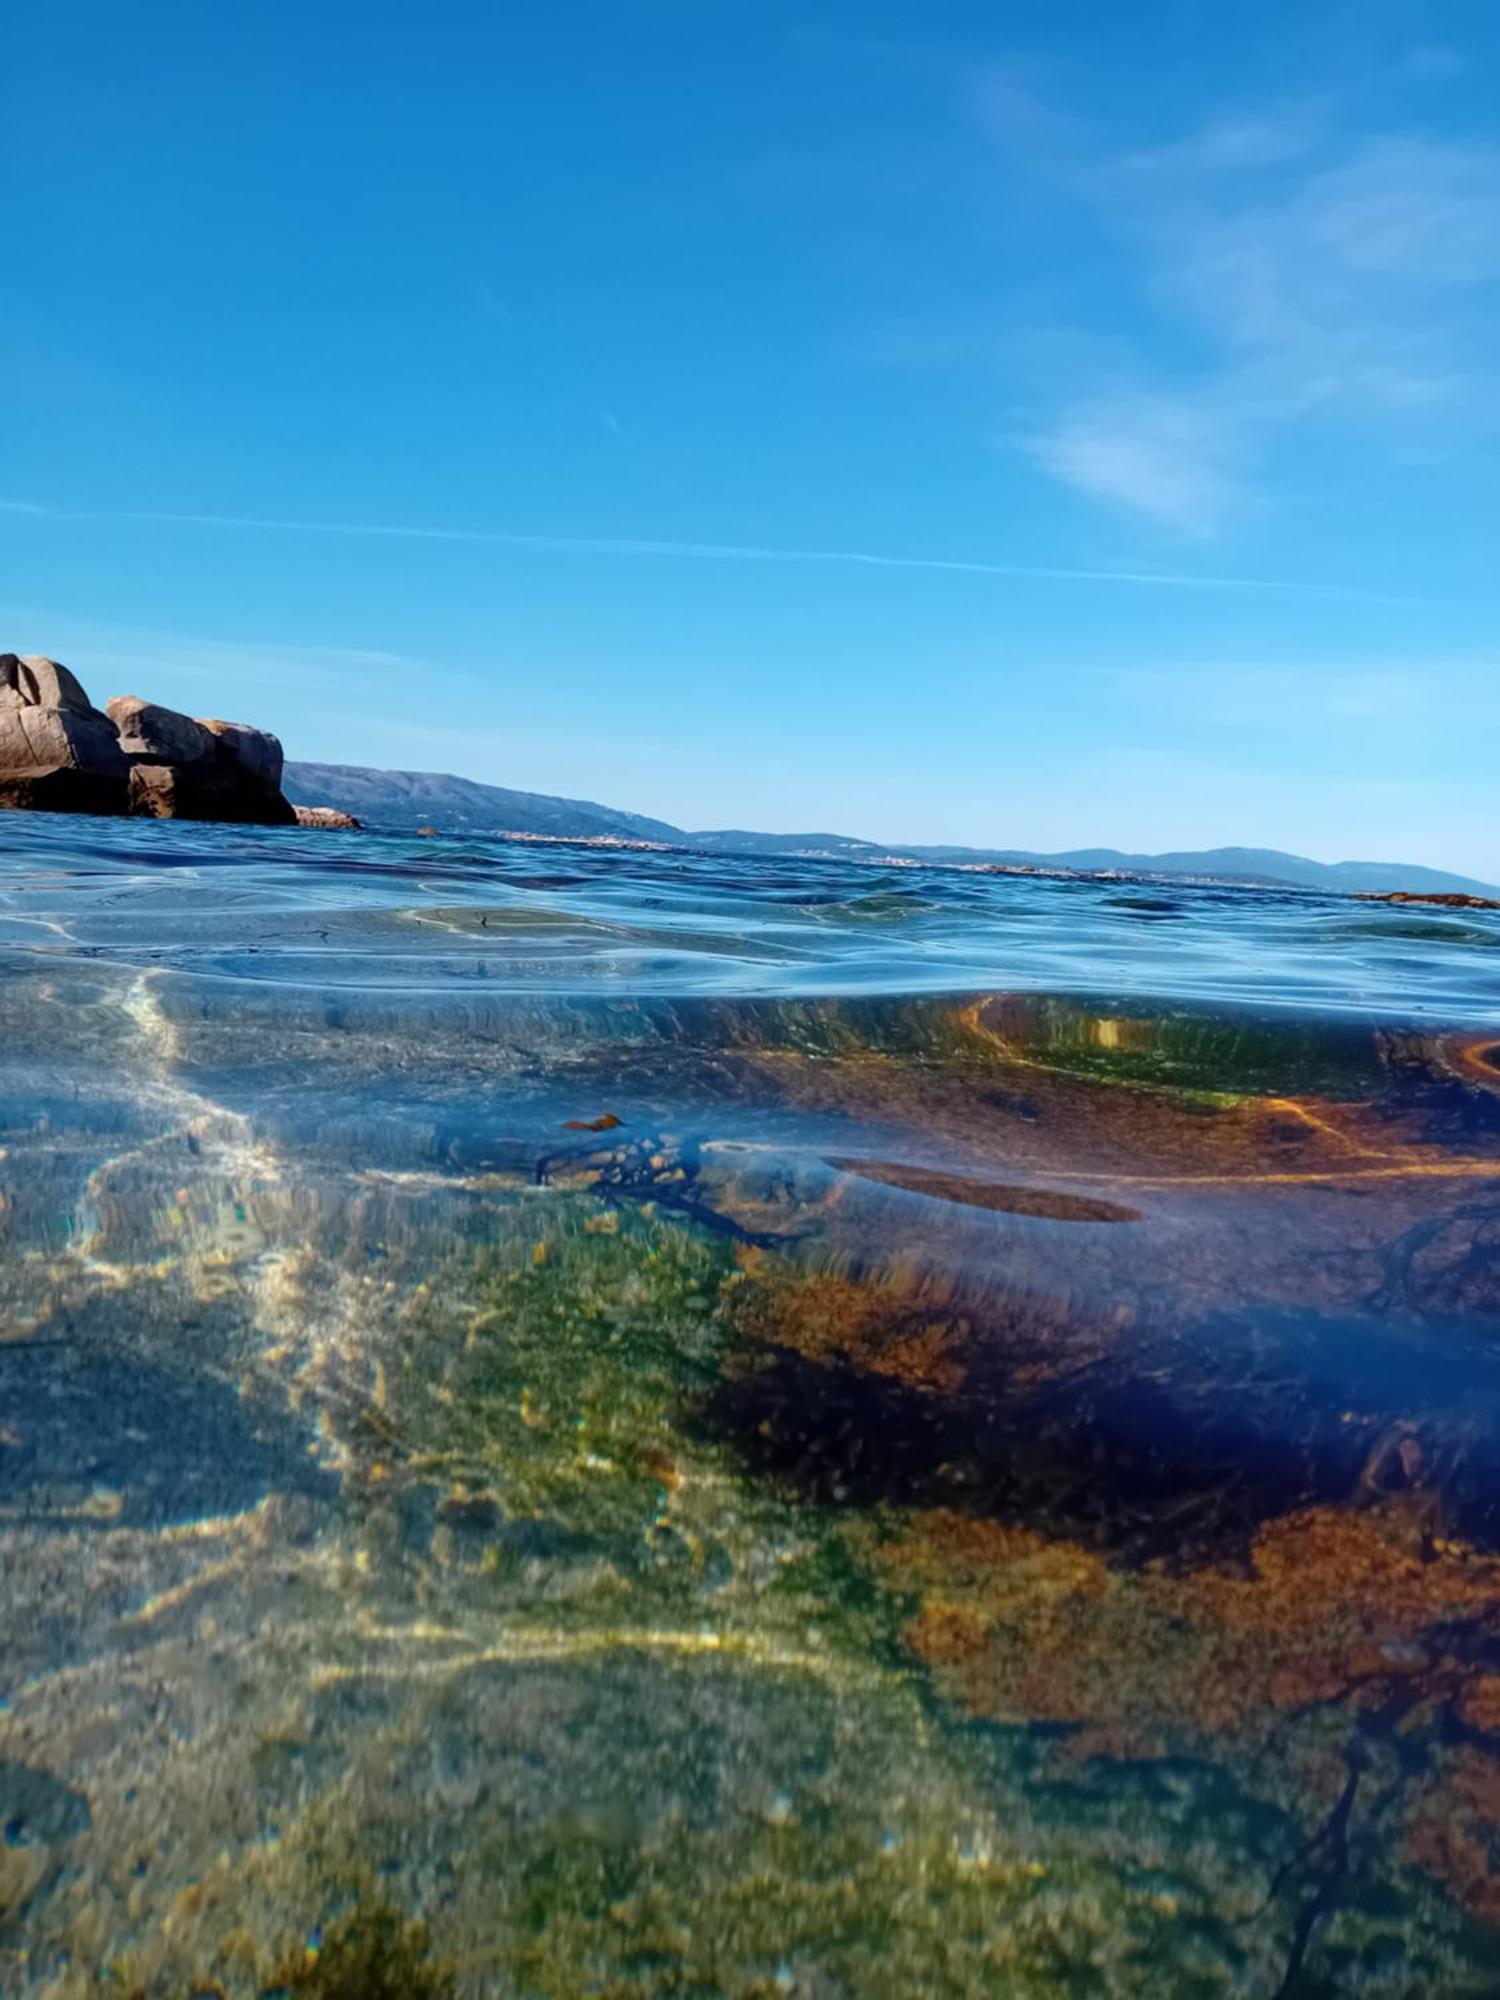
[610, 545]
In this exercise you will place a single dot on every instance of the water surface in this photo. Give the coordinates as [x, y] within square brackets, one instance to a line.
[600, 1422]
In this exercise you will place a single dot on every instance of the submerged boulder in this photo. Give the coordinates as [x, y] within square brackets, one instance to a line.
[57, 752]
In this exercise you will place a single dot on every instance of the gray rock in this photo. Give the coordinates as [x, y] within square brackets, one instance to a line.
[257, 750]
[160, 735]
[184, 769]
[29, 680]
[55, 755]
[59, 754]
[37, 739]
[37, 1807]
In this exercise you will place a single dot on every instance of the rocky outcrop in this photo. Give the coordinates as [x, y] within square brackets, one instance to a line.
[255, 750]
[157, 735]
[182, 768]
[328, 816]
[1449, 899]
[57, 752]
[29, 681]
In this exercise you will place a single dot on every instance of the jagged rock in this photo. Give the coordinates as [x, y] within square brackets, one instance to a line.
[57, 752]
[159, 735]
[328, 816]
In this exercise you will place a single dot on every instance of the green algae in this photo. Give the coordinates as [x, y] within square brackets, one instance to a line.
[557, 1435]
[370, 1953]
[728, 1773]
[590, 1330]
[555, 1664]
[788, 1908]
[889, 1859]
[1193, 1054]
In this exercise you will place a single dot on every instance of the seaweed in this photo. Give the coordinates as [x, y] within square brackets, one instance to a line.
[371, 1952]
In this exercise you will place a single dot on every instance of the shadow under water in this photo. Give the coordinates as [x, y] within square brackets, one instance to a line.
[546, 1493]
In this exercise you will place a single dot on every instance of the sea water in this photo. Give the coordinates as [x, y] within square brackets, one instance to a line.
[610, 1422]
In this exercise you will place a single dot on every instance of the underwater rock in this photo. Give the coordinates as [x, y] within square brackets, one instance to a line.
[96, 1443]
[38, 1808]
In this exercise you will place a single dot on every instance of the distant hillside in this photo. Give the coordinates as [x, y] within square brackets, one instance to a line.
[462, 805]
[1221, 864]
[458, 805]
[1248, 864]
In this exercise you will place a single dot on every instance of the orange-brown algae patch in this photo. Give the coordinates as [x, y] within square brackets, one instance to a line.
[1349, 1614]
[1333, 1576]
[875, 1326]
[1334, 1605]
[1479, 1704]
[1454, 1832]
[1017, 1627]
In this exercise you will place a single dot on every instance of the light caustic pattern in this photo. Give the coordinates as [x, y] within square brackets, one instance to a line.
[541, 1493]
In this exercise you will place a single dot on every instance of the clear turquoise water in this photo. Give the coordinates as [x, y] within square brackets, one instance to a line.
[583, 1421]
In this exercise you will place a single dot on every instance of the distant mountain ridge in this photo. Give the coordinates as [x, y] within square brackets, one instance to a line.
[408, 798]
[463, 805]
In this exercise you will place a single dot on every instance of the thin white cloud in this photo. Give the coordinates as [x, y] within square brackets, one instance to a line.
[607, 545]
[1319, 274]
[1238, 143]
[1169, 461]
[1367, 259]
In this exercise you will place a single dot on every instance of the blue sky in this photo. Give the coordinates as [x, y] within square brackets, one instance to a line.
[1020, 424]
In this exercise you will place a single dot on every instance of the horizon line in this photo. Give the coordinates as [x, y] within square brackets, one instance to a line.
[922, 851]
